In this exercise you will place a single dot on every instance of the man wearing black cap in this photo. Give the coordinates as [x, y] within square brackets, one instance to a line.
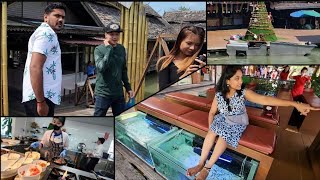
[95, 155]
[111, 65]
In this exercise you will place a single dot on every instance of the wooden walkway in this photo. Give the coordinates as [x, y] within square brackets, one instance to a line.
[215, 39]
[129, 166]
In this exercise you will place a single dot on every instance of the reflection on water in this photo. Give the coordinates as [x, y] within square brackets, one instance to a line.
[313, 58]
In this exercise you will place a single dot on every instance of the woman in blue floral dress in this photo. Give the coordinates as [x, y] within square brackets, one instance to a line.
[229, 101]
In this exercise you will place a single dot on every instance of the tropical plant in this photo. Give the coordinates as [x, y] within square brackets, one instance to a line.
[315, 84]
[6, 125]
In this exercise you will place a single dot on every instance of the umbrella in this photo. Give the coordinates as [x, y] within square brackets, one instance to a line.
[305, 13]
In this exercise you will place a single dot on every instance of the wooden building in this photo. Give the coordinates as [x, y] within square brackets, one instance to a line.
[228, 14]
[281, 13]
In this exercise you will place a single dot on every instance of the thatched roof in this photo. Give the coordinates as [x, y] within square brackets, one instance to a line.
[102, 14]
[185, 16]
[294, 5]
[156, 24]
[150, 11]
[178, 26]
[180, 19]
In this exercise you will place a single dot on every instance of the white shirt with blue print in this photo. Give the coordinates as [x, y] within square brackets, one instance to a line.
[45, 41]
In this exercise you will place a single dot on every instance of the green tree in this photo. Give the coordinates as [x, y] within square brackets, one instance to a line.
[183, 8]
[260, 27]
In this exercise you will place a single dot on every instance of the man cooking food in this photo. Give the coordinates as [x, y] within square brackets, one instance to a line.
[55, 142]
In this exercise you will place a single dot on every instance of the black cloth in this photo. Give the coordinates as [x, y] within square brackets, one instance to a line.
[296, 119]
[92, 163]
[31, 108]
[168, 76]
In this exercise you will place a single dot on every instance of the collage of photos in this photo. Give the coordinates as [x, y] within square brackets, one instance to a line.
[204, 90]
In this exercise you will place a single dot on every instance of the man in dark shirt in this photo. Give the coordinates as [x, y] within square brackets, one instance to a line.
[111, 67]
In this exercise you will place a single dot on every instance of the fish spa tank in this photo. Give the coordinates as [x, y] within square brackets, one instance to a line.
[136, 130]
[180, 150]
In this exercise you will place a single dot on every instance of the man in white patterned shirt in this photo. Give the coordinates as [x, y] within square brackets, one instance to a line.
[43, 73]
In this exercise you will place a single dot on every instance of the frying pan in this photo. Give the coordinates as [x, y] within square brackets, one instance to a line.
[56, 174]
[56, 158]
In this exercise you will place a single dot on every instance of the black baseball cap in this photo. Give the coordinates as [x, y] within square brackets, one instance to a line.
[112, 27]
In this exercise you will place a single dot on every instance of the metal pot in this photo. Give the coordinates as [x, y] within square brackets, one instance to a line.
[81, 146]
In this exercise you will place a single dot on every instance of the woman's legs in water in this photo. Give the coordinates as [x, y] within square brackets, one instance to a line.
[219, 148]
[206, 147]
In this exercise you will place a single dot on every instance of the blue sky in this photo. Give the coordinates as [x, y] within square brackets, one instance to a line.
[161, 7]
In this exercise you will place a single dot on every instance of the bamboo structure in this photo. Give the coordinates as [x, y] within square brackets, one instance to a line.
[144, 53]
[4, 59]
[131, 12]
[121, 22]
[134, 45]
[138, 67]
[134, 39]
[1, 106]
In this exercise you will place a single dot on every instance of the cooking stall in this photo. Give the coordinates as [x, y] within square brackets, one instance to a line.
[20, 161]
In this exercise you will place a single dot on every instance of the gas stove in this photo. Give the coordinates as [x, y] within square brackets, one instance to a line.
[56, 174]
[84, 178]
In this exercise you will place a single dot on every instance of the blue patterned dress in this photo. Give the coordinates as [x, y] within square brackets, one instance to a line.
[230, 133]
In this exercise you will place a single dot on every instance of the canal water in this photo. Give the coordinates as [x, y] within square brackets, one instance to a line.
[223, 58]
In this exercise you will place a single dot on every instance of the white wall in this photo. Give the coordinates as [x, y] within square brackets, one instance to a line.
[21, 126]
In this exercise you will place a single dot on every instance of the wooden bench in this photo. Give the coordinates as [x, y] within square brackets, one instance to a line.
[256, 116]
[255, 142]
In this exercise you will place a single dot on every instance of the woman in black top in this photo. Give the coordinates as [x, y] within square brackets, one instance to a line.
[180, 61]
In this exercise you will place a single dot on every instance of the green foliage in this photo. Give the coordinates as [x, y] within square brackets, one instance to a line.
[269, 35]
[260, 25]
[315, 84]
[7, 122]
[183, 8]
[267, 85]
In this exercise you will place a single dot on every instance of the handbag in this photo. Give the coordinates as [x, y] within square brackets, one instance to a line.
[241, 119]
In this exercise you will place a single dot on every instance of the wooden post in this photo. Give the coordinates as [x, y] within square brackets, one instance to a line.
[134, 46]
[122, 17]
[134, 41]
[142, 48]
[130, 43]
[4, 61]
[1, 100]
[145, 52]
[139, 43]
[126, 29]
[76, 71]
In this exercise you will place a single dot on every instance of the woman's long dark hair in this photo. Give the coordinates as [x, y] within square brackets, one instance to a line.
[284, 70]
[222, 87]
[164, 61]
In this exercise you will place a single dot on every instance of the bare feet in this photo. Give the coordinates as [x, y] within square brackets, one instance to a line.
[194, 170]
[203, 174]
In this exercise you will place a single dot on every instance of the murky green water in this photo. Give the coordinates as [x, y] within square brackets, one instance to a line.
[313, 58]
